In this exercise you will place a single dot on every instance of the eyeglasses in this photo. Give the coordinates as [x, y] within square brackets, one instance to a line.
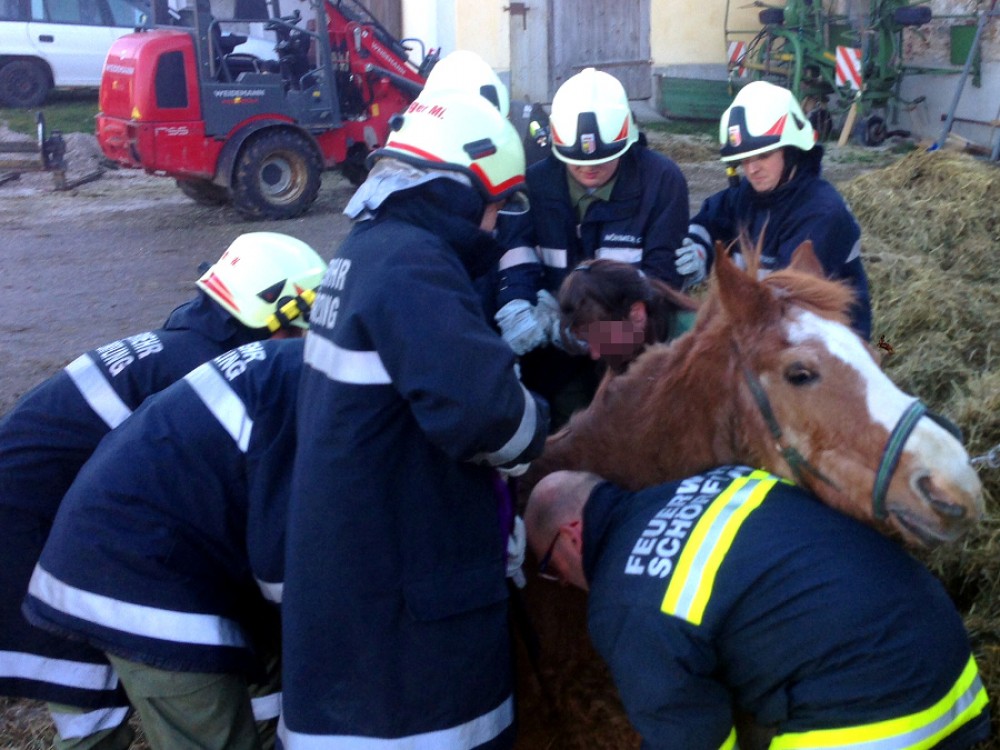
[543, 564]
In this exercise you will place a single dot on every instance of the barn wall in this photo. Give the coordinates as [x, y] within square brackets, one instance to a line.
[688, 40]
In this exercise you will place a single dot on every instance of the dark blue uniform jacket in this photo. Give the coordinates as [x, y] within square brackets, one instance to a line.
[157, 545]
[805, 208]
[394, 613]
[44, 440]
[644, 221]
[735, 589]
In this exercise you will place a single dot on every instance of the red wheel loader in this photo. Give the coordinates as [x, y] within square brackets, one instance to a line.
[182, 101]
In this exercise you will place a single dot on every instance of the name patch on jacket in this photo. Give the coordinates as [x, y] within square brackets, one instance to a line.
[661, 542]
[327, 304]
[234, 363]
[118, 355]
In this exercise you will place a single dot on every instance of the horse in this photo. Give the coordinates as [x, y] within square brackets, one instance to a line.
[771, 376]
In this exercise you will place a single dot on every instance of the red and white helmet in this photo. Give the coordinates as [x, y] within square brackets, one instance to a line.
[762, 118]
[457, 130]
[467, 71]
[591, 121]
[258, 273]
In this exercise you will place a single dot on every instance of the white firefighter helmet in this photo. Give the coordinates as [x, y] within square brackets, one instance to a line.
[591, 121]
[763, 117]
[260, 272]
[467, 71]
[458, 131]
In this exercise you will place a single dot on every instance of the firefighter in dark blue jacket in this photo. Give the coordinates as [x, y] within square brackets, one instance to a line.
[782, 201]
[599, 194]
[395, 605]
[737, 593]
[53, 430]
[170, 542]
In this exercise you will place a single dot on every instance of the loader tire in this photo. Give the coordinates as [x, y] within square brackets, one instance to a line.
[277, 176]
[203, 192]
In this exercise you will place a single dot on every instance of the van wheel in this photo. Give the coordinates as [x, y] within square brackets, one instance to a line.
[23, 83]
[203, 192]
[277, 176]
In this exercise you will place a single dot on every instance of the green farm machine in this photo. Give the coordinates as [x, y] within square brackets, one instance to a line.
[842, 58]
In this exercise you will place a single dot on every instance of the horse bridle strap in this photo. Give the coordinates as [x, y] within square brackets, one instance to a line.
[795, 460]
[894, 450]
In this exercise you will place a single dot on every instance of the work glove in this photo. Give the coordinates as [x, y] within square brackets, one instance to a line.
[520, 327]
[516, 543]
[691, 261]
[549, 319]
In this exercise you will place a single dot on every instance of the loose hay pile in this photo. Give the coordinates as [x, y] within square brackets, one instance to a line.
[931, 234]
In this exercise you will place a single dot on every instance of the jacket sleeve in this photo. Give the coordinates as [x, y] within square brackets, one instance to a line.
[520, 274]
[666, 678]
[668, 224]
[836, 239]
[456, 373]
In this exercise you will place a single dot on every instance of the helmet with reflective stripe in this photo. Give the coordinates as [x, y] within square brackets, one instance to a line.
[259, 273]
[459, 131]
[591, 121]
[762, 118]
[467, 71]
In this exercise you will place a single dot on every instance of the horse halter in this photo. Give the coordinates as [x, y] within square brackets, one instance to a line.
[891, 454]
[795, 460]
[894, 449]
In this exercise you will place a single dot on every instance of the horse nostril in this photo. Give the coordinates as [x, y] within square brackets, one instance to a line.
[941, 507]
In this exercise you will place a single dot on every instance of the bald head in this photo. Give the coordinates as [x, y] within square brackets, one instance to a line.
[556, 503]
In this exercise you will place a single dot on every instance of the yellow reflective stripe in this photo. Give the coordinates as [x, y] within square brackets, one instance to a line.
[691, 584]
[730, 743]
[919, 731]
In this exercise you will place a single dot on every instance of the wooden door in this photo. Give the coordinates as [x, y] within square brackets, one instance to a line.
[610, 35]
[389, 13]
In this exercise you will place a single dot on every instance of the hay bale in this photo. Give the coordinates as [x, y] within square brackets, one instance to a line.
[931, 227]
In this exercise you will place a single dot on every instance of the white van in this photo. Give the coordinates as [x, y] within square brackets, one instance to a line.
[47, 43]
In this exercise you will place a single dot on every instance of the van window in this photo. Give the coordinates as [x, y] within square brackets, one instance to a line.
[14, 10]
[85, 12]
[124, 13]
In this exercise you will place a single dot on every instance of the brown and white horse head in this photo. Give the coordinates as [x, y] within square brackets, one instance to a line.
[818, 409]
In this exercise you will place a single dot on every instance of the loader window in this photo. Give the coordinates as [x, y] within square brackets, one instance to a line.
[171, 83]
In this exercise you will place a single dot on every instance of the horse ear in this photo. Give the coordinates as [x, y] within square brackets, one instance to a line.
[804, 259]
[742, 297]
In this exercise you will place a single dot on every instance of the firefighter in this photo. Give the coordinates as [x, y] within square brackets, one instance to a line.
[599, 194]
[781, 201]
[395, 604]
[52, 431]
[169, 547]
[735, 591]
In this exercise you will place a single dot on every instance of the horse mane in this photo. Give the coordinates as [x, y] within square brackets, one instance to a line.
[802, 283]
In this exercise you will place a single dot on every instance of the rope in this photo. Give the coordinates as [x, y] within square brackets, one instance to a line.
[990, 459]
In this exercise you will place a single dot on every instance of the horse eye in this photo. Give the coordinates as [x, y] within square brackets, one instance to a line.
[798, 374]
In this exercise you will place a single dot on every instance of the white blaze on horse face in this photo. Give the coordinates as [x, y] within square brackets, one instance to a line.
[886, 403]
[938, 453]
